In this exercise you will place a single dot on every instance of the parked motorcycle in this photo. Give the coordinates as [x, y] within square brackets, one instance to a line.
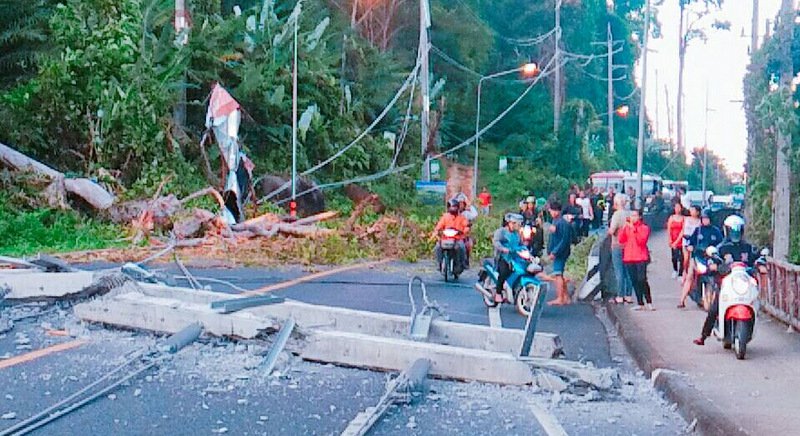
[738, 306]
[522, 287]
[449, 267]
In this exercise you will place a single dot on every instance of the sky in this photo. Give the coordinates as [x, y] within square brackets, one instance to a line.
[719, 65]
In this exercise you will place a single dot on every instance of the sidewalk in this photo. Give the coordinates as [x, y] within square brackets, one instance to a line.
[759, 395]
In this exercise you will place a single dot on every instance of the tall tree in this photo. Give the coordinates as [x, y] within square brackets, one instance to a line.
[692, 13]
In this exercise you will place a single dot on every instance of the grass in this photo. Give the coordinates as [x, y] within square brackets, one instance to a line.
[51, 231]
[578, 261]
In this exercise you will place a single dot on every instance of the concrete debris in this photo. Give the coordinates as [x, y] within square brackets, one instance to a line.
[9, 415]
[550, 382]
[137, 392]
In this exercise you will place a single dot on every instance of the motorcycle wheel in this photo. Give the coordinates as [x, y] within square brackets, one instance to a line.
[446, 265]
[526, 298]
[487, 284]
[740, 340]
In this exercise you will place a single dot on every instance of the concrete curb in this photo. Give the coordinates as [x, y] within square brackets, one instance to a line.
[692, 404]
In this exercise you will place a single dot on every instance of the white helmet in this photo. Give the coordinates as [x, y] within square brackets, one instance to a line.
[734, 227]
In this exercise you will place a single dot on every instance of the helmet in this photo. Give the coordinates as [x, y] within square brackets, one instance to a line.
[514, 218]
[461, 198]
[452, 203]
[705, 213]
[734, 228]
[531, 199]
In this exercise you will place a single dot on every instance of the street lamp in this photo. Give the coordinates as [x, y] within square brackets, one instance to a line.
[528, 70]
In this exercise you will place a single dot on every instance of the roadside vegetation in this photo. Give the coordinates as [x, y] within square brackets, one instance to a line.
[90, 87]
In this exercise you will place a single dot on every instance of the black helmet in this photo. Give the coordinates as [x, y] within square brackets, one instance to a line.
[705, 213]
[453, 202]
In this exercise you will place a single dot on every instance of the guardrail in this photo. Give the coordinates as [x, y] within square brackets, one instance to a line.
[780, 295]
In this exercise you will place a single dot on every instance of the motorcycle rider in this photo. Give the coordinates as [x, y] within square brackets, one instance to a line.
[733, 249]
[469, 212]
[454, 220]
[531, 216]
[505, 240]
[703, 237]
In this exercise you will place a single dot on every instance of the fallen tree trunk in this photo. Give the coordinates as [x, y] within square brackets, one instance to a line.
[88, 191]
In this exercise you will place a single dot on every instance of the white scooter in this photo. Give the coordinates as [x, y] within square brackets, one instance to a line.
[738, 306]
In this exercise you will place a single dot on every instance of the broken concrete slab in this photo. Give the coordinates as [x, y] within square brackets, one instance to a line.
[136, 310]
[36, 285]
[443, 332]
[600, 378]
[392, 354]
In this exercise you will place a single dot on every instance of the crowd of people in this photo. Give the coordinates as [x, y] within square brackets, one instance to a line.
[689, 228]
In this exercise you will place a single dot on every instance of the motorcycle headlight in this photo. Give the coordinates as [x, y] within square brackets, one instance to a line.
[740, 283]
[701, 268]
[450, 233]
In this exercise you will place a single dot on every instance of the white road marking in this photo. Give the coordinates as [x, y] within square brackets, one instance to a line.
[548, 422]
[494, 317]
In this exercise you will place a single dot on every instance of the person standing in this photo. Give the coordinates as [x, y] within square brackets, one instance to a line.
[559, 250]
[618, 219]
[690, 223]
[587, 213]
[675, 230]
[610, 202]
[485, 201]
[572, 214]
[635, 255]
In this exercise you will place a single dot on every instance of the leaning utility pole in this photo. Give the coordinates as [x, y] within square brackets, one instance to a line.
[781, 200]
[640, 145]
[424, 79]
[557, 78]
[610, 56]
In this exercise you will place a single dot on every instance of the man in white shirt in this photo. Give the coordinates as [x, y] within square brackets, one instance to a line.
[587, 214]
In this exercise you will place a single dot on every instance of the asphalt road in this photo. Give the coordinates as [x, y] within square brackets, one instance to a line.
[215, 387]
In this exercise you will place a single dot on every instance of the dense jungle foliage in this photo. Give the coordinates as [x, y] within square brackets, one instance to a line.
[90, 87]
[769, 111]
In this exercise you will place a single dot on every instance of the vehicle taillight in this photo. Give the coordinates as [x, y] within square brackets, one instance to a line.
[739, 313]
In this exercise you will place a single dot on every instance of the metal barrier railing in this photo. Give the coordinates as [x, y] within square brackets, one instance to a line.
[780, 295]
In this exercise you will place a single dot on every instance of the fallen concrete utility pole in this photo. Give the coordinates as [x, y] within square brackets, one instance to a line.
[329, 334]
[307, 316]
[34, 284]
[410, 381]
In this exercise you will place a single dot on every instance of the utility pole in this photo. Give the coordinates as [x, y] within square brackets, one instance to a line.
[669, 117]
[640, 145]
[182, 38]
[705, 150]
[782, 201]
[657, 122]
[609, 43]
[754, 29]
[424, 79]
[293, 204]
[557, 78]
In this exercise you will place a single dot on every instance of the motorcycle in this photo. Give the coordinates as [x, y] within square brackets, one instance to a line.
[706, 279]
[449, 267]
[738, 306]
[522, 287]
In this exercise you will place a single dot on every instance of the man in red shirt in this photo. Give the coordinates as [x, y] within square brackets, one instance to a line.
[486, 200]
[452, 219]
